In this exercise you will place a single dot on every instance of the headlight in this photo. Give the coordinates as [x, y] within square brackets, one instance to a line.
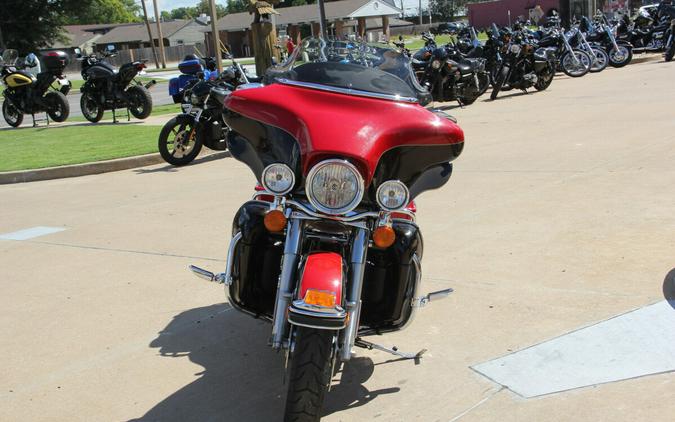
[278, 179]
[515, 48]
[436, 64]
[392, 195]
[195, 99]
[334, 187]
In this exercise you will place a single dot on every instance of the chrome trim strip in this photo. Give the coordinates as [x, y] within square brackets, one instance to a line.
[284, 289]
[300, 307]
[348, 91]
[353, 300]
[350, 218]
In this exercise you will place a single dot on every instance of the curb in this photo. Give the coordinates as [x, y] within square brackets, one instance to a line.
[97, 167]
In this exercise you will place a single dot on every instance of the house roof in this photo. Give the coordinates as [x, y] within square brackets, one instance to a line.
[138, 32]
[344, 9]
[78, 35]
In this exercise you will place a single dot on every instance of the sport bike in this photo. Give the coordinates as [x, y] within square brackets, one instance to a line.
[328, 250]
[27, 93]
[107, 88]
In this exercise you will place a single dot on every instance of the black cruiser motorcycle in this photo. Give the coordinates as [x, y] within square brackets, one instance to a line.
[107, 88]
[201, 122]
[524, 65]
[328, 250]
[29, 94]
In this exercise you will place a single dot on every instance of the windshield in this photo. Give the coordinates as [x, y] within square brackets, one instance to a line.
[9, 57]
[358, 67]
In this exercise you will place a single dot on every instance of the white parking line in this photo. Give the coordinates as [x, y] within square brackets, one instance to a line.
[30, 233]
[631, 345]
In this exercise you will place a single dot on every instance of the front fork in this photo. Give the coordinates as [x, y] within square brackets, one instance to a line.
[286, 286]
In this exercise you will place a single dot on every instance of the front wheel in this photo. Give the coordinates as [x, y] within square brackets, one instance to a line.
[140, 101]
[621, 56]
[178, 142]
[600, 60]
[576, 64]
[499, 82]
[58, 108]
[670, 52]
[13, 116]
[310, 374]
[544, 79]
[92, 110]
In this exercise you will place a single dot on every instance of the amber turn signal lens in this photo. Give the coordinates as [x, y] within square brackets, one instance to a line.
[320, 298]
[275, 221]
[384, 236]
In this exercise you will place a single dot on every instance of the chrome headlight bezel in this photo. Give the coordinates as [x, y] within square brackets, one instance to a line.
[406, 199]
[266, 185]
[436, 64]
[360, 188]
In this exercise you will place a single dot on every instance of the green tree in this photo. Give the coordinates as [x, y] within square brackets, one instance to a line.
[28, 25]
[105, 11]
[236, 6]
[447, 9]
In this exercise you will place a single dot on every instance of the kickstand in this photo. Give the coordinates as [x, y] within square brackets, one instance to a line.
[394, 350]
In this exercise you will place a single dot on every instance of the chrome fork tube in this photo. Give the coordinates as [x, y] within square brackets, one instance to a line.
[357, 266]
[285, 286]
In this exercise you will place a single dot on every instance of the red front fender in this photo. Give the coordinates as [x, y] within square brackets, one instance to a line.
[322, 271]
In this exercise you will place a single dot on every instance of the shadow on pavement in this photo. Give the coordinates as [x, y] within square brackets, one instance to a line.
[669, 288]
[202, 159]
[242, 378]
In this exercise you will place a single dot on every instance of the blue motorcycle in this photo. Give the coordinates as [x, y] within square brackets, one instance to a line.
[191, 67]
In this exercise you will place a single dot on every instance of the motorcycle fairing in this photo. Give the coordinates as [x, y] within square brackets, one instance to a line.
[365, 130]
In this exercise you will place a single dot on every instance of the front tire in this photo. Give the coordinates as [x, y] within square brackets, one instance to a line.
[620, 57]
[576, 69]
[178, 142]
[12, 115]
[310, 374]
[92, 110]
[140, 102]
[499, 82]
[600, 60]
[670, 52]
[58, 107]
[544, 80]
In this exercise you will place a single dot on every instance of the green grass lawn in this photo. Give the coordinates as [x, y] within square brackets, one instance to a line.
[33, 148]
[415, 42]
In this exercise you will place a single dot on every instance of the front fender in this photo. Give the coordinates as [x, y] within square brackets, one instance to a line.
[319, 294]
[322, 271]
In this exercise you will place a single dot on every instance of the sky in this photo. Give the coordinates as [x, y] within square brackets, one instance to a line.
[172, 4]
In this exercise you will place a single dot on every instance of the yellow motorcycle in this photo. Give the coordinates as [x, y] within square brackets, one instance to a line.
[28, 93]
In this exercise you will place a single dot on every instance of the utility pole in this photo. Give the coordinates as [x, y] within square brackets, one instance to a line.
[419, 11]
[216, 36]
[147, 26]
[322, 17]
[160, 35]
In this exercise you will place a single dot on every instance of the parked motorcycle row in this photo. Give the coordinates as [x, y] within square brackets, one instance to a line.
[105, 88]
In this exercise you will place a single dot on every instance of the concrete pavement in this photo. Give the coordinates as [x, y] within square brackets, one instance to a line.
[559, 214]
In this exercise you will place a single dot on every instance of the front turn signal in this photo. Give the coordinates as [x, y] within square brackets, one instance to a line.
[275, 221]
[320, 298]
[384, 236]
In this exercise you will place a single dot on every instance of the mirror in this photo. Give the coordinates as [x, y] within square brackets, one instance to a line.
[77, 52]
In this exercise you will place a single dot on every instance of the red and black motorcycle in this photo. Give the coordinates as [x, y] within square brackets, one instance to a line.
[328, 250]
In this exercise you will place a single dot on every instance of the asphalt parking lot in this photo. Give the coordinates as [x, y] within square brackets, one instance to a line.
[559, 215]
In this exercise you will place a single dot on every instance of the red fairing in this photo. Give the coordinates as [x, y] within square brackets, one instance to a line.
[331, 124]
[323, 271]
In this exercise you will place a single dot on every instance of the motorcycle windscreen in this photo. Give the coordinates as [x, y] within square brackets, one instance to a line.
[328, 125]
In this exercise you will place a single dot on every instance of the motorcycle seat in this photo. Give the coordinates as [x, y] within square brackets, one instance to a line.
[470, 65]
